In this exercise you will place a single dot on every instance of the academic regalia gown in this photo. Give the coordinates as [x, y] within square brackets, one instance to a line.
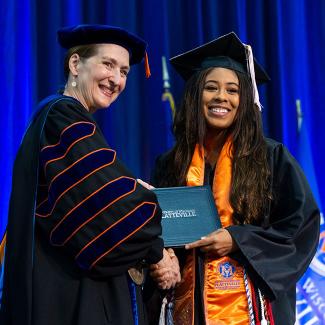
[277, 252]
[78, 221]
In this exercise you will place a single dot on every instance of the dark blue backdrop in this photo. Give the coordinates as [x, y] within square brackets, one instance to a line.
[288, 39]
[287, 36]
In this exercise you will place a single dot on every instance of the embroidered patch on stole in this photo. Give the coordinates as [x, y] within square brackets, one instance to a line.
[229, 276]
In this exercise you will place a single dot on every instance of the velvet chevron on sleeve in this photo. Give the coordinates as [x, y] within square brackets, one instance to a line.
[78, 221]
[93, 206]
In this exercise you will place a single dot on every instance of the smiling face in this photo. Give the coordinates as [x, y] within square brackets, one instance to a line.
[100, 78]
[220, 98]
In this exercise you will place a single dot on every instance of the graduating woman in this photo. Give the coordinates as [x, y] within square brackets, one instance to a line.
[245, 272]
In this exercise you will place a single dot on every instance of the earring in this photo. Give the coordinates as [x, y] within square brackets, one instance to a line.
[74, 83]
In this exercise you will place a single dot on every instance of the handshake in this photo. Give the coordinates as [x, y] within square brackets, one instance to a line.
[166, 272]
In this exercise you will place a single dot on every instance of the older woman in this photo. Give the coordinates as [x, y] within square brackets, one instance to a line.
[245, 272]
[80, 226]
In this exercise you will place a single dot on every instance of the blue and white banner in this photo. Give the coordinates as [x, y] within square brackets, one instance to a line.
[311, 288]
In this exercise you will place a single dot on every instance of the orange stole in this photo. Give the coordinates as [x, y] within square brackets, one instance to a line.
[224, 295]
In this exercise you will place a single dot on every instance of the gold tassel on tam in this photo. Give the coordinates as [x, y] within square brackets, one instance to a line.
[146, 65]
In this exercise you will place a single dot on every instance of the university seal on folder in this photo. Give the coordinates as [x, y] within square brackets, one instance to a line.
[188, 213]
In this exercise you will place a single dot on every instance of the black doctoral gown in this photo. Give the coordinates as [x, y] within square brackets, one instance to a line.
[277, 252]
[78, 221]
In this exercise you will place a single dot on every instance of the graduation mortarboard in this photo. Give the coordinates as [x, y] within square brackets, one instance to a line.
[71, 36]
[226, 51]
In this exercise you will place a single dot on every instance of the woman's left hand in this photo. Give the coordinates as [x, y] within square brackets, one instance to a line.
[219, 242]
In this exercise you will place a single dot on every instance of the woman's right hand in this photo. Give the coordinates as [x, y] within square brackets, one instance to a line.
[166, 272]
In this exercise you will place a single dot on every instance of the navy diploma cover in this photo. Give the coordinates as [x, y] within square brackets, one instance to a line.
[189, 213]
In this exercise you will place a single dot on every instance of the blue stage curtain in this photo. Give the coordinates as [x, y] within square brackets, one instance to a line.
[18, 87]
[288, 39]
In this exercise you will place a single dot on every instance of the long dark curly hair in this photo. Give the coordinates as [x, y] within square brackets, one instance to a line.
[250, 191]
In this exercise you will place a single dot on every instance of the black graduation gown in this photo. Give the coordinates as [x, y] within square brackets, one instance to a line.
[277, 252]
[78, 221]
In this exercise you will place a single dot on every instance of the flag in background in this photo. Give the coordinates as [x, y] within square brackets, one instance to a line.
[168, 105]
[310, 306]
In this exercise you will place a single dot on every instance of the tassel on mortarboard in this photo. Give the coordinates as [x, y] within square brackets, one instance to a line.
[251, 71]
[146, 65]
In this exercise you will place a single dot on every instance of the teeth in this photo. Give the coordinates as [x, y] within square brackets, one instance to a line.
[106, 90]
[219, 110]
